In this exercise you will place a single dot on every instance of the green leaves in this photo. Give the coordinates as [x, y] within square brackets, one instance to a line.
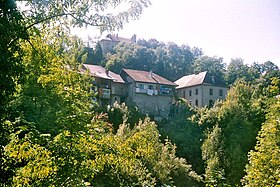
[84, 12]
[263, 167]
[213, 154]
[132, 157]
[169, 60]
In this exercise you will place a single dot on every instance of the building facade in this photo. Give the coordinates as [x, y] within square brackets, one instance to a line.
[151, 93]
[110, 87]
[201, 89]
[110, 41]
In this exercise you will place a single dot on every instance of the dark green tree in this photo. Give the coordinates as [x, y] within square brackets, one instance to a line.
[213, 154]
[213, 65]
[12, 30]
[236, 70]
[168, 60]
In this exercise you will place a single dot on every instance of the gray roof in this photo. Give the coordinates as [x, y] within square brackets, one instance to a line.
[147, 77]
[199, 79]
[100, 72]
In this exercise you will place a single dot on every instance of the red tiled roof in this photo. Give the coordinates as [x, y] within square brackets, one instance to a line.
[148, 77]
[99, 71]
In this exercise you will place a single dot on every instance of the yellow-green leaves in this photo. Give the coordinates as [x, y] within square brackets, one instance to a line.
[36, 162]
[264, 166]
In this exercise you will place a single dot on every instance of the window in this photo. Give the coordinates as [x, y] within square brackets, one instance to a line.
[196, 102]
[210, 91]
[196, 91]
[105, 93]
[151, 87]
[221, 92]
[184, 94]
[141, 86]
[165, 89]
[190, 93]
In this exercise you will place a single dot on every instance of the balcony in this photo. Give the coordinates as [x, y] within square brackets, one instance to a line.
[139, 90]
[146, 91]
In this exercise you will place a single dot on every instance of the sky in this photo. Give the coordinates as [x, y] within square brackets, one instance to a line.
[249, 29]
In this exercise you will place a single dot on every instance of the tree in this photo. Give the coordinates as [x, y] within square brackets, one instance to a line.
[185, 133]
[213, 154]
[263, 166]
[151, 43]
[95, 156]
[168, 60]
[131, 56]
[213, 65]
[55, 97]
[236, 70]
[14, 26]
[83, 13]
[11, 31]
[239, 117]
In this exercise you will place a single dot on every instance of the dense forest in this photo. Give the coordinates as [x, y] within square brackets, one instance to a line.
[53, 133]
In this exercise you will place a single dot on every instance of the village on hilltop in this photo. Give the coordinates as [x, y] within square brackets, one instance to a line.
[150, 92]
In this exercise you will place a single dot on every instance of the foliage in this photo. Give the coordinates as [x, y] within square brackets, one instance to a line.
[213, 65]
[83, 12]
[96, 156]
[11, 31]
[168, 60]
[55, 93]
[263, 166]
[239, 118]
[90, 56]
[256, 73]
[120, 113]
[185, 133]
[56, 137]
[235, 70]
[213, 154]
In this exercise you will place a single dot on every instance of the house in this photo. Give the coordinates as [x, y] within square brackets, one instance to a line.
[110, 86]
[151, 93]
[110, 41]
[201, 89]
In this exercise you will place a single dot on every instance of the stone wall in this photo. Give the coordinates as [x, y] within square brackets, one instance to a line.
[156, 105]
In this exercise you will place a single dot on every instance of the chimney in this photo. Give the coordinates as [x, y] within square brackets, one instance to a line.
[107, 72]
[151, 73]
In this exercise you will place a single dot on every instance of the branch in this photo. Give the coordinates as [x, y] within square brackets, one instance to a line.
[48, 18]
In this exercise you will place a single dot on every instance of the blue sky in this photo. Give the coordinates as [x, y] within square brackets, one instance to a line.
[249, 29]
